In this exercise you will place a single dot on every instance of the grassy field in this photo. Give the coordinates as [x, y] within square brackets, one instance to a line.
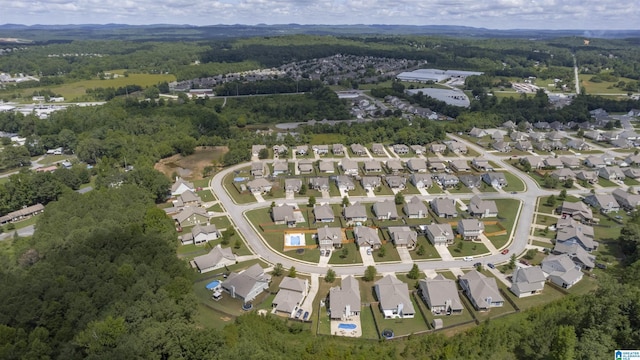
[601, 87]
[514, 183]
[77, 90]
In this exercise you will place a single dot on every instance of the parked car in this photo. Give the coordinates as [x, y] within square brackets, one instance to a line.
[490, 265]
[524, 262]
[328, 253]
[478, 264]
[601, 266]
[468, 258]
[504, 252]
[305, 316]
[298, 313]
[369, 251]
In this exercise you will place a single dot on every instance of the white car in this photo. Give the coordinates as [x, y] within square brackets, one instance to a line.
[468, 258]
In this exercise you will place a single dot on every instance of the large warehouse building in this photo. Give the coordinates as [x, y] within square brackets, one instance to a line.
[435, 75]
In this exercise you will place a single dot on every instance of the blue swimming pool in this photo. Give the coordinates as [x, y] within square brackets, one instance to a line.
[212, 285]
[295, 240]
[239, 179]
[347, 326]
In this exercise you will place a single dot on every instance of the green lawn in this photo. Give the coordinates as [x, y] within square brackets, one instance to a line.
[514, 183]
[391, 254]
[401, 327]
[202, 183]
[507, 212]
[369, 330]
[584, 286]
[461, 189]
[467, 248]
[23, 223]
[429, 253]
[607, 183]
[215, 208]
[549, 294]
[546, 220]
[631, 182]
[233, 189]
[541, 243]
[221, 222]
[353, 255]
[206, 195]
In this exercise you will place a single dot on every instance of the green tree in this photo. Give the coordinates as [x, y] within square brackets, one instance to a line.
[551, 201]
[530, 254]
[345, 201]
[278, 270]
[563, 194]
[312, 201]
[399, 198]
[370, 273]
[382, 252]
[344, 252]
[303, 189]
[421, 250]
[330, 276]
[512, 261]
[414, 273]
[263, 153]
[237, 244]
[292, 272]
[564, 343]
[568, 183]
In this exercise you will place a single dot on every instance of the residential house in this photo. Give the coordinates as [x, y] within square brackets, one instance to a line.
[329, 237]
[481, 290]
[496, 180]
[280, 168]
[421, 181]
[632, 173]
[579, 145]
[501, 146]
[290, 295]
[418, 149]
[571, 232]
[385, 210]
[349, 167]
[344, 301]
[581, 257]
[259, 186]
[378, 149]
[628, 201]
[367, 237]
[200, 234]
[459, 166]
[633, 160]
[509, 125]
[279, 150]
[541, 125]
[393, 297]
[283, 215]
[555, 136]
[396, 182]
[527, 281]
[305, 166]
[323, 213]
[444, 208]
[345, 183]
[470, 229]
[537, 136]
[370, 183]
[401, 149]
[439, 234]
[471, 181]
[563, 174]
[320, 149]
[322, 183]
[441, 295]
[519, 136]
[293, 185]
[355, 213]
[457, 148]
[437, 148]
[326, 167]
[578, 211]
[217, 258]
[358, 150]
[403, 236]
[621, 143]
[594, 162]
[446, 180]
[594, 135]
[248, 284]
[417, 165]
[589, 176]
[258, 169]
[190, 216]
[561, 270]
[477, 133]
[188, 198]
[338, 149]
[536, 162]
[612, 173]
[481, 164]
[372, 166]
[436, 165]
[556, 125]
[482, 208]
[302, 150]
[606, 203]
[553, 163]
[570, 162]
[524, 146]
[180, 186]
[394, 166]
[415, 208]
[255, 149]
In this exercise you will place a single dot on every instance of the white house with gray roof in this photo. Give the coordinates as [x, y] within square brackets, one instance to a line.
[283, 214]
[372, 166]
[394, 165]
[323, 213]
[200, 234]
[248, 284]
[367, 237]
[293, 185]
[344, 301]
[355, 213]
[627, 200]
[421, 181]
[470, 229]
[481, 290]
[370, 183]
[329, 237]
[385, 210]
[561, 270]
[217, 258]
[415, 208]
[180, 186]
[403, 236]
[319, 183]
[394, 299]
[349, 167]
[444, 208]
[417, 165]
[280, 168]
[326, 167]
[439, 234]
[337, 149]
[258, 169]
[345, 183]
[290, 295]
[482, 208]
[527, 281]
[441, 296]
[396, 182]
[605, 203]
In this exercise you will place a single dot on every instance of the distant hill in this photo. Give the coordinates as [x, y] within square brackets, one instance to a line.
[166, 32]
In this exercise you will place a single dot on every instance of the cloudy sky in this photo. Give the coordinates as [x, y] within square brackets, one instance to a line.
[494, 14]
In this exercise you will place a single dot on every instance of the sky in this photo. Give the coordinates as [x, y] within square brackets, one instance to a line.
[493, 14]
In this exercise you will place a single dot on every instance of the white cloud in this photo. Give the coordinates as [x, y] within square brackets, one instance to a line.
[497, 14]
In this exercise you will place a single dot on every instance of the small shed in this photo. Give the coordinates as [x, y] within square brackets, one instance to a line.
[437, 324]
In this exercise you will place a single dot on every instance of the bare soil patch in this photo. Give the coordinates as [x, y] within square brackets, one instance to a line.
[191, 167]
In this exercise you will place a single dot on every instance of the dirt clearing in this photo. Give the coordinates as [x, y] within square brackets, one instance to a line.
[191, 167]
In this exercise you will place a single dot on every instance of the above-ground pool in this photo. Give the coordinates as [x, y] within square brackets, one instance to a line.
[238, 179]
[213, 285]
[294, 240]
[347, 326]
